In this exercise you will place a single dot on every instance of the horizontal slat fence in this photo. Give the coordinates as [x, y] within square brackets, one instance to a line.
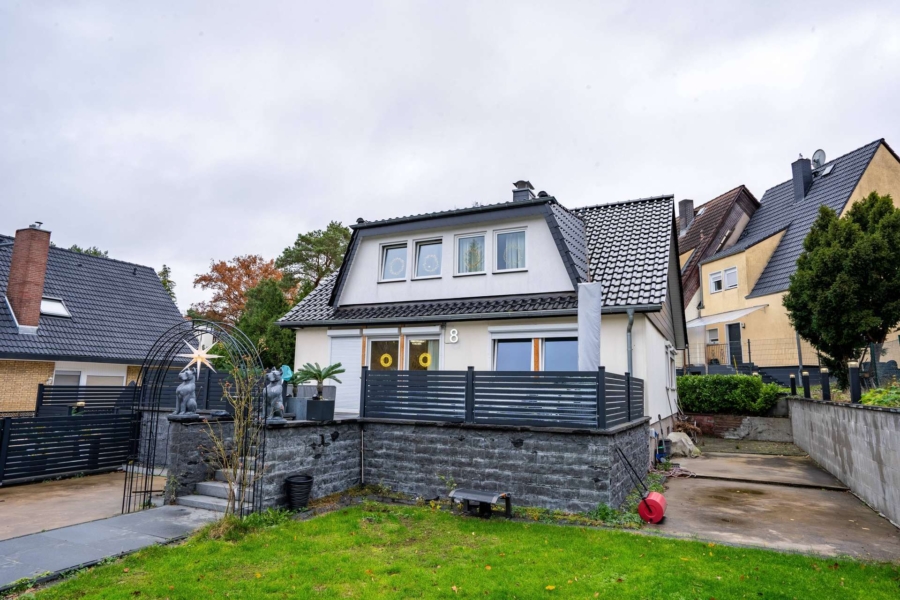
[421, 395]
[97, 399]
[579, 399]
[43, 447]
[540, 398]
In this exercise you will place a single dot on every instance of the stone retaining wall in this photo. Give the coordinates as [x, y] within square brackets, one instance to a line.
[567, 470]
[858, 444]
[573, 470]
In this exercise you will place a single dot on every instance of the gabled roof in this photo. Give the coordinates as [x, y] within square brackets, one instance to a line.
[779, 211]
[706, 231]
[629, 244]
[118, 310]
[626, 246]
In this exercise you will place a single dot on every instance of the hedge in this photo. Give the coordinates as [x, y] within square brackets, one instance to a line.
[730, 394]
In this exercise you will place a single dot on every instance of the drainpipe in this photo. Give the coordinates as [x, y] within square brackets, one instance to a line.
[630, 312]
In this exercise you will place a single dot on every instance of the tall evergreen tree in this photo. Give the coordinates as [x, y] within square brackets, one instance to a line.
[845, 293]
[313, 257]
[265, 305]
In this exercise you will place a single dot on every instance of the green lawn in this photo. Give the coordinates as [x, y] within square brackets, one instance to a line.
[391, 551]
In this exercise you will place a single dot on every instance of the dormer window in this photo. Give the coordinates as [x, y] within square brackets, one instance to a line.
[470, 254]
[510, 247]
[393, 262]
[54, 307]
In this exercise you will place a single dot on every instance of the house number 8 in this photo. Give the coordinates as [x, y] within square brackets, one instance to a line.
[454, 336]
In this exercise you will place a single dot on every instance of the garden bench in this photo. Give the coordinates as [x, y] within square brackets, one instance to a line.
[483, 501]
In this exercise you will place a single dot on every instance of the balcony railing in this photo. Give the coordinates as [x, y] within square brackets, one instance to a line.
[574, 399]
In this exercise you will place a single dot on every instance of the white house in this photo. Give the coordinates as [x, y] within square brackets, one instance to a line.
[495, 287]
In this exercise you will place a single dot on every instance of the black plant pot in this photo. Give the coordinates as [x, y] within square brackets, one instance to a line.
[320, 410]
[298, 489]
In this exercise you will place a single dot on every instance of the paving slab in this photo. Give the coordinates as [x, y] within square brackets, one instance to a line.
[751, 468]
[75, 546]
[779, 517]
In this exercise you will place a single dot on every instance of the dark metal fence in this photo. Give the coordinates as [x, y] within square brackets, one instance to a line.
[55, 400]
[581, 399]
[36, 448]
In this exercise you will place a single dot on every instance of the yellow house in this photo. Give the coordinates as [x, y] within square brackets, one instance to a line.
[741, 316]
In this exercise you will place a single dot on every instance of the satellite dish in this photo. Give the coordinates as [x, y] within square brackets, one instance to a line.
[818, 159]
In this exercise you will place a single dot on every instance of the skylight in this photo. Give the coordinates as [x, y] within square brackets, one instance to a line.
[827, 170]
[54, 307]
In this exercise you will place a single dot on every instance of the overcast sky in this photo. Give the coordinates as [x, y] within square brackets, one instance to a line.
[179, 132]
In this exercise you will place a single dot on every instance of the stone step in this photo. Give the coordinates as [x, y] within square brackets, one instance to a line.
[204, 502]
[220, 475]
[218, 489]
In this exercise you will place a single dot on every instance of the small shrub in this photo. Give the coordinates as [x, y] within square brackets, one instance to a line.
[888, 397]
[736, 394]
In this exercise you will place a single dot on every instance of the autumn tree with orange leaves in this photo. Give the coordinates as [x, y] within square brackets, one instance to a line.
[230, 281]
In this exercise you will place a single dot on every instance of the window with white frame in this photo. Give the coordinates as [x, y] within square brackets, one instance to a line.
[393, 262]
[513, 354]
[470, 254]
[670, 373]
[712, 336]
[428, 259]
[715, 282]
[510, 250]
[731, 278]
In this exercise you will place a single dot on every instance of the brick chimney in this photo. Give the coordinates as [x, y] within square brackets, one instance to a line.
[27, 268]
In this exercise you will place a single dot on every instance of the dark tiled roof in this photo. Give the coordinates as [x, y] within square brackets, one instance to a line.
[477, 208]
[706, 224]
[778, 211]
[118, 310]
[629, 244]
[572, 229]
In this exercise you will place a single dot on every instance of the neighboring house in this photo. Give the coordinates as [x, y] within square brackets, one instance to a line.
[743, 286]
[714, 226]
[495, 287]
[68, 318]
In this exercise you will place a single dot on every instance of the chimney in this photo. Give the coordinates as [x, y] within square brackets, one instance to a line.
[523, 191]
[27, 268]
[686, 212]
[802, 170]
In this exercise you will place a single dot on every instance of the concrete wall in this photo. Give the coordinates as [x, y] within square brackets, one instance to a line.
[567, 471]
[858, 444]
[19, 381]
[545, 271]
[738, 427]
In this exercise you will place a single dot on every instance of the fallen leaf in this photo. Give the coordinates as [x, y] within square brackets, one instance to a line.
[125, 570]
[454, 589]
[258, 575]
[550, 587]
[487, 567]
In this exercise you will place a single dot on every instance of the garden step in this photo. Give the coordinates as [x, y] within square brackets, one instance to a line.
[204, 502]
[218, 489]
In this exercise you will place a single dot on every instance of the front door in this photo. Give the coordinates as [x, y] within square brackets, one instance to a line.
[734, 344]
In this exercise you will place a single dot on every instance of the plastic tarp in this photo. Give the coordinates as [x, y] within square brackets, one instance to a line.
[590, 303]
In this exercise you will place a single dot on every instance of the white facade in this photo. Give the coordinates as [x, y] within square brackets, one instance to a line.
[544, 270]
[474, 346]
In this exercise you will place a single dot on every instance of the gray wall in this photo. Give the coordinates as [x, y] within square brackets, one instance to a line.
[573, 471]
[860, 445]
[328, 452]
[190, 459]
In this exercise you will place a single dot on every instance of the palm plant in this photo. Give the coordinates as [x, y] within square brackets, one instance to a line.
[313, 372]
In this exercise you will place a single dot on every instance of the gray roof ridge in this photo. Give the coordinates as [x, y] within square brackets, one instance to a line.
[833, 160]
[454, 211]
[59, 249]
[620, 202]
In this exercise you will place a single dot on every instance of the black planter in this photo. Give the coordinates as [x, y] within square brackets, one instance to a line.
[298, 489]
[320, 410]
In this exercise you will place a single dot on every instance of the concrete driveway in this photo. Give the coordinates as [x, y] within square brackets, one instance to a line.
[36, 507]
[776, 502]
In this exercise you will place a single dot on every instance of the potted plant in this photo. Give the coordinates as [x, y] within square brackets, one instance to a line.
[317, 407]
